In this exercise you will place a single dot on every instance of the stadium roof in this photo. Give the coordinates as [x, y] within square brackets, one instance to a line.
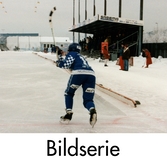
[19, 34]
[57, 39]
[101, 23]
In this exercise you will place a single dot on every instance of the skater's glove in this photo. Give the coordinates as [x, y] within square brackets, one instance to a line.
[60, 57]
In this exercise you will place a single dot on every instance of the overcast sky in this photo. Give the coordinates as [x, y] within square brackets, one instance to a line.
[33, 15]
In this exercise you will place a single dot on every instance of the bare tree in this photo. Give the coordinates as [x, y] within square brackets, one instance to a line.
[155, 36]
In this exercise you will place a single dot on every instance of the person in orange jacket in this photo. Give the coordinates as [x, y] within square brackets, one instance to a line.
[106, 56]
[121, 62]
[148, 57]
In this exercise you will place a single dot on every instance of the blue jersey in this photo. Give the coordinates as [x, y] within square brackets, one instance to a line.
[76, 63]
[82, 74]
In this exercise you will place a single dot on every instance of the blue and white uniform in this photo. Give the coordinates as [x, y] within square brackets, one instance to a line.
[81, 75]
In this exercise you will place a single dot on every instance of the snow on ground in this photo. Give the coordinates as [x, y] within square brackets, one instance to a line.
[32, 97]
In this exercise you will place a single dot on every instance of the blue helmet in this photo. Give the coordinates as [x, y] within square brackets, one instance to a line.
[75, 47]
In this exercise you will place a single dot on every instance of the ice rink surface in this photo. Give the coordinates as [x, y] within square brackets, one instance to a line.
[32, 101]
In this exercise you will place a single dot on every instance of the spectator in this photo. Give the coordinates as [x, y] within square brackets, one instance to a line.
[45, 50]
[121, 62]
[148, 57]
[62, 49]
[106, 56]
[125, 57]
[53, 50]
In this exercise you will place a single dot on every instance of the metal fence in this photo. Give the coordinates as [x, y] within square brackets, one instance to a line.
[156, 49]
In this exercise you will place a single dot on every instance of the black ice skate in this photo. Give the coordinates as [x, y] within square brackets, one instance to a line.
[93, 117]
[67, 117]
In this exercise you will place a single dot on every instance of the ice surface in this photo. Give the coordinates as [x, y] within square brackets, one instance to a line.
[32, 97]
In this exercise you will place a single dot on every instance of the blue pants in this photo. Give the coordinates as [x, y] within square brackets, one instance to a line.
[88, 87]
[126, 65]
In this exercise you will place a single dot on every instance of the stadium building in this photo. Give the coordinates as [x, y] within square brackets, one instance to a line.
[114, 30]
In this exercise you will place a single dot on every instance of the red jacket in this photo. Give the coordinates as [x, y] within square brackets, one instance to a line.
[148, 57]
[105, 54]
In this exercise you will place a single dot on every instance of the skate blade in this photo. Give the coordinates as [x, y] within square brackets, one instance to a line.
[94, 120]
[64, 121]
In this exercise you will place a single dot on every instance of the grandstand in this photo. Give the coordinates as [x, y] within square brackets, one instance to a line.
[118, 30]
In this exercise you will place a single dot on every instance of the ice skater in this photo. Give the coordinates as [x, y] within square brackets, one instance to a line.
[81, 75]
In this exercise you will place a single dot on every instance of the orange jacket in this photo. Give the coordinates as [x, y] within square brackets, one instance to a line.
[148, 57]
[106, 54]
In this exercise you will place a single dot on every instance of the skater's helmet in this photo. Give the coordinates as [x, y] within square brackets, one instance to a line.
[74, 47]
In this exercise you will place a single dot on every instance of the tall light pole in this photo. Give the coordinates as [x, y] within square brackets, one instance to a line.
[156, 48]
[141, 9]
[86, 14]
[94, 8]
[105, 7]
[157, 32]
[120, 8]
[157, 27]
[73, 19]
[140, 28]
[78, 18]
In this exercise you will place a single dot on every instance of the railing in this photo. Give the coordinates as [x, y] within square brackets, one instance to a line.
[130, 42]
